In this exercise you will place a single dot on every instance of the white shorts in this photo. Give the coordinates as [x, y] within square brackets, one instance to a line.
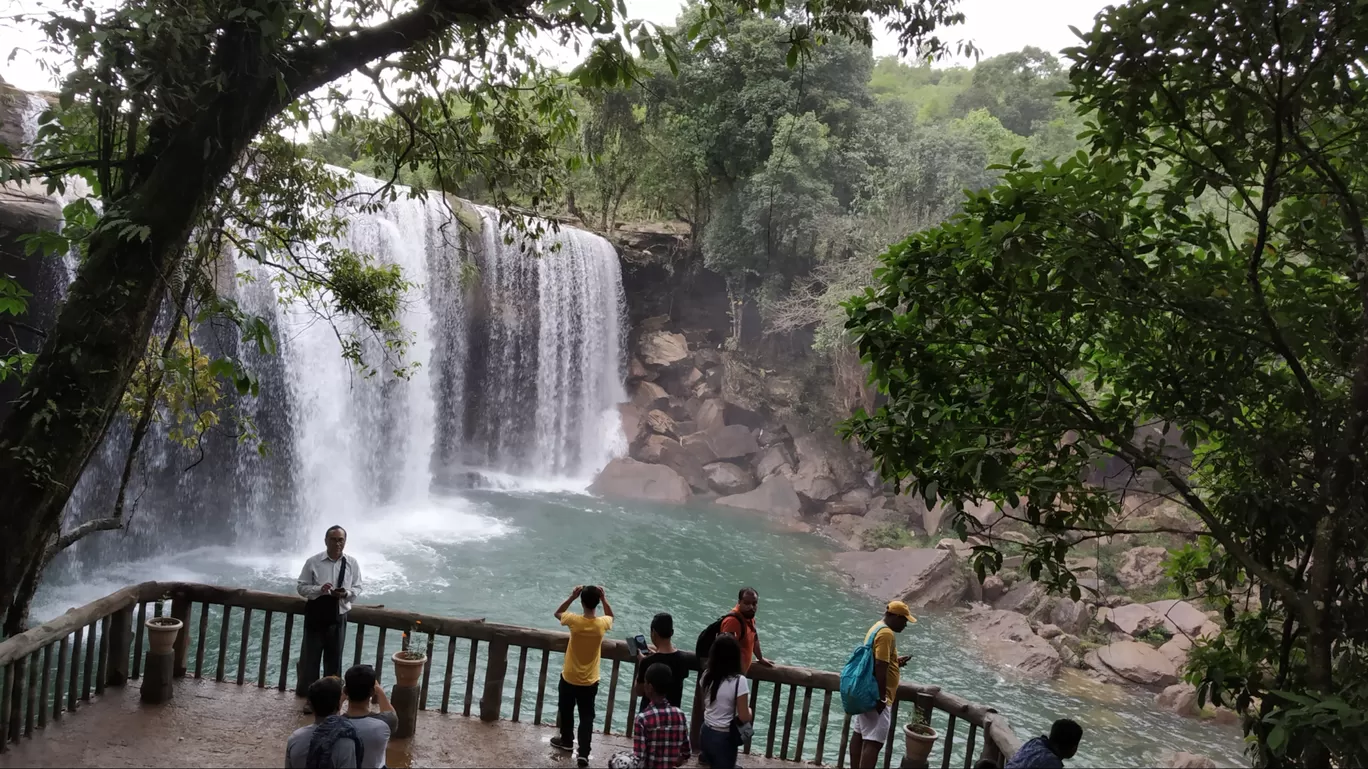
[873, 725]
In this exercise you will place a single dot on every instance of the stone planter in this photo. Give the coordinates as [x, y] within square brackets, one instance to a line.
[407, 671]
[161, 634]
[918, 744]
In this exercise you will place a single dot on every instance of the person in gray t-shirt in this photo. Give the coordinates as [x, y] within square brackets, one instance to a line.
[325, 697]
[374, 728]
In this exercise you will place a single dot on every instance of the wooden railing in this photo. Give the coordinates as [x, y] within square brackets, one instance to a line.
[54, 668]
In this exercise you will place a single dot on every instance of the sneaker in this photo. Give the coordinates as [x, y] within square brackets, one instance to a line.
[582, 762]
[566, 746]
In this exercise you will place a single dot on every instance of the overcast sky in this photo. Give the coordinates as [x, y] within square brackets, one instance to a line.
[995, 26]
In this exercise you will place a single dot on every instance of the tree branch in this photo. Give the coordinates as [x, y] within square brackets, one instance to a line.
[89, 527]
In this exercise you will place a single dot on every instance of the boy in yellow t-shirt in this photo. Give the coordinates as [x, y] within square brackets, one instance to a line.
[580, 676]
[870, 730]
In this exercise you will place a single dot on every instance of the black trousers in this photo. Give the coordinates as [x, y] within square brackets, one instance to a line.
[572, 698]
[320, 644]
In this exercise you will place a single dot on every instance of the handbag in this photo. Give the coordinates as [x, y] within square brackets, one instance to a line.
[321, 612]
[740, 731]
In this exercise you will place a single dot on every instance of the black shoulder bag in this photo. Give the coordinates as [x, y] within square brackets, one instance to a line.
[321, 612]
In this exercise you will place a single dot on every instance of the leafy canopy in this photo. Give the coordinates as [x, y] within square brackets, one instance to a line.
[1202, 272]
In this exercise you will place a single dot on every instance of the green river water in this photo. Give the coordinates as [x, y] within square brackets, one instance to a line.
[512, 557]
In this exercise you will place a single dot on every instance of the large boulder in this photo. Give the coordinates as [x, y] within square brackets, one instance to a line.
[848, 530]
[1023, 597]
[1073, 617]
[1131, 619]
[649, 395]
[775, 459]
[630, 479]
[633, 423]
[727, 478]
[661, 450]
[921, 577]
[993, 588]
[775, 497]
[1180, 617]
[709, 415]
[661, 349]
[1006, 639]
[1176, 649]
[823, 455]
[740, 415]
[1141, 567]
[1180, 698]
[732, 442]
[1139, 663]
[814, 489]
[697, 445]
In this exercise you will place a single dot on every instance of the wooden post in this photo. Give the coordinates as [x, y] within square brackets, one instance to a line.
[158, 677]
[120, 643]
[491, 701]
[405, 702]
[180, 609]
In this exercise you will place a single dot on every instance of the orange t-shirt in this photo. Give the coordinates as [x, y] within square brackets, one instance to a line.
[731, 624]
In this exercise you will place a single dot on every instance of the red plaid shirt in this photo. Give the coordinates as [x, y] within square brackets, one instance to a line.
[661, 737]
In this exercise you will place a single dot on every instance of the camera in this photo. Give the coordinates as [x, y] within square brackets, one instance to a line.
[637, 645]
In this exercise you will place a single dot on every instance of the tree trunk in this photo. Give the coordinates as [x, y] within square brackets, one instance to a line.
[17, 618]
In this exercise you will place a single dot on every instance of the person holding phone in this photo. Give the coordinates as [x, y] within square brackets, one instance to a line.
[329, 581]
[660, 652]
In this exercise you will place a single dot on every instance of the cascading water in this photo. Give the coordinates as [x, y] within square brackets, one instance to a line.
[515, 364]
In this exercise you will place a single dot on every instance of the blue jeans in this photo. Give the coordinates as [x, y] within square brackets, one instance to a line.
[717, 748]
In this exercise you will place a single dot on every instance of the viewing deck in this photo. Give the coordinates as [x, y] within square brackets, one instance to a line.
[71, 693]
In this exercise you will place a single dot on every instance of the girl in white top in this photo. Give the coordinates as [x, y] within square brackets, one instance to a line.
[726, 697]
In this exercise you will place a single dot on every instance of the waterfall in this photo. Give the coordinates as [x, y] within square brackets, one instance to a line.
[515, 366]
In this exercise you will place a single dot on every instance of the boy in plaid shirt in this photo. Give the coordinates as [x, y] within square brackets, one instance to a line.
[661, 735]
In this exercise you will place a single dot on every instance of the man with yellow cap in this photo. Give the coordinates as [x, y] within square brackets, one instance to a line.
[870, 730]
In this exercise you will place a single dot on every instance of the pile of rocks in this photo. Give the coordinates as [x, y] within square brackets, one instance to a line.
[696, 427]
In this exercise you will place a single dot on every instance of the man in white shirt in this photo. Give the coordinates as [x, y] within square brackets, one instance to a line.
[330, 581]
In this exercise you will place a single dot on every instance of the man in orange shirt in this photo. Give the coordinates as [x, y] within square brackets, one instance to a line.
[741, 623]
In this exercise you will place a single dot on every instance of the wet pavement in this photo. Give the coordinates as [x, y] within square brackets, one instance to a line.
[210, 724]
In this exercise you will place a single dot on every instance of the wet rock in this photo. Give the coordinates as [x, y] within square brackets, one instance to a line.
[649, 395]
[1006, 639]
[838, 507]
[1131, 619]
[1180, 698]
[1182, 760]
[814, 489]
[921, 577]
[775, 496]
[1138, 663]
[630, 479]
[633, 423]
[1141, 567]
[821, 455]
[1049, 631]
[661, 450]
[732, 442]
[861, 495]
[770, 436]
[726, 478]
[637, 371]
[848, 530]
[775, 459]
[1180, 617]
[662, 349]
[706, 358]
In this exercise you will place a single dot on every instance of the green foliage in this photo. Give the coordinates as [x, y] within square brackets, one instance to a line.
[887, 535]
[1087, 297]
[1155, 636]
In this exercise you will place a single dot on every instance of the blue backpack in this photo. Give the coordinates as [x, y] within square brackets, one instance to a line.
[859, 690]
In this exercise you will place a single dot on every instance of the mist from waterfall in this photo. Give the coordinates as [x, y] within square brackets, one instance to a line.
[515, 364]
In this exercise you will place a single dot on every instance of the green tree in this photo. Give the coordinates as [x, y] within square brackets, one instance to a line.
[164, 113]
[1017, 88]
[1024, 341]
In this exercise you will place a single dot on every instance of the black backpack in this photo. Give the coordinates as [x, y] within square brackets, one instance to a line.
[703, 647]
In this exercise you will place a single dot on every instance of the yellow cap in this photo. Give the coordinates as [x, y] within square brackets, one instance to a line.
[899, 608]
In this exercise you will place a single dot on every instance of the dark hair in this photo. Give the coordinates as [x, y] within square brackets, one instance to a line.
[331, 529]
[325, 696]
[590, 597]
[723, 662]
[662, 625]
[660, 677]
[986, 763]
[1066, 733]
[741, 594]
[360, 682]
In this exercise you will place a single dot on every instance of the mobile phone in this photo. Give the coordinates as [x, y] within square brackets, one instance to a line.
[636, 644]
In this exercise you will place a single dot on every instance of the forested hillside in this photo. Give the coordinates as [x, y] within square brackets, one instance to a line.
[788, 180]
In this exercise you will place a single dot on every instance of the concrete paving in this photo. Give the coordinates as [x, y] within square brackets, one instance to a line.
[210, 724]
